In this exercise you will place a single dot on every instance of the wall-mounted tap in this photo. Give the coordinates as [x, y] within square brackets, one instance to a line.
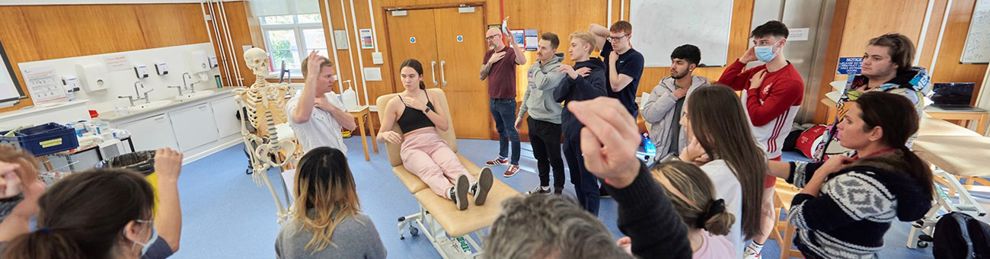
[136, 91]
[139, 93]
[186, 85]
[146, 100]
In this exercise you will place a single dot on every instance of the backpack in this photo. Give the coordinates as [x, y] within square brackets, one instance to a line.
[958, 235]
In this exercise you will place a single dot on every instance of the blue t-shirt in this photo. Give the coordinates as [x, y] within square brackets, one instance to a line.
[630, 64]
[158, 250]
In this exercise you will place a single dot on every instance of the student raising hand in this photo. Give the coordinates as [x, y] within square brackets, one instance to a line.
[313, 65]
[17, 222]
[10, 182]
[609, 140]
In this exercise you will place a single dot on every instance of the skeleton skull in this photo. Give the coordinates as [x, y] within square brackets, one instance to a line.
[257, 60]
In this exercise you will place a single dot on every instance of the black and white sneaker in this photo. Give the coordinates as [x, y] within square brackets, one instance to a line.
[459, 192]
[539, 190]
[481, 188]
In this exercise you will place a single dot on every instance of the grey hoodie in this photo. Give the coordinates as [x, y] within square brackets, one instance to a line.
[538, 100]
[658, 111]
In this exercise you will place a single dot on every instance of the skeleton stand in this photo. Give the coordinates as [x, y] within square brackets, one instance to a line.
[266, 150]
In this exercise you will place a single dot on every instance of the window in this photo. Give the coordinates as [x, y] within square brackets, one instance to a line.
[290, 38]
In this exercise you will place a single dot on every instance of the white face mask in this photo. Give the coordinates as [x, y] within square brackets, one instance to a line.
[154, 237]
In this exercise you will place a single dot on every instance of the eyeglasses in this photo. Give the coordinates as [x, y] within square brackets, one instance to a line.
[610, 38]
[490, 37]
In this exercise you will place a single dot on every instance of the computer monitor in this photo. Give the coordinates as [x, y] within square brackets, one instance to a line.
[953, 95]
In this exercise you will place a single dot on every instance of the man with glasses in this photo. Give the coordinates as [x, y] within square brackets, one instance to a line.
[772, 94]
[624, 64]
[499, 68]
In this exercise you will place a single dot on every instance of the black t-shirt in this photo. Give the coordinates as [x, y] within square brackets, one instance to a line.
[630, 64]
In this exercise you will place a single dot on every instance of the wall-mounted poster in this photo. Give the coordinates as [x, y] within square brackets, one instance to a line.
[367, 39]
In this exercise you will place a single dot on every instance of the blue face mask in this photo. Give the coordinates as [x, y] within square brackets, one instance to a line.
[147, 245]
[764, 53]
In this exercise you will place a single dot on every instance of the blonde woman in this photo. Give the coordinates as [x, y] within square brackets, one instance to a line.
[326, 220]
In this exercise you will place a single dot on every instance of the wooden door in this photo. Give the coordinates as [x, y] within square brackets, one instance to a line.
[460, 49]
[412, 34]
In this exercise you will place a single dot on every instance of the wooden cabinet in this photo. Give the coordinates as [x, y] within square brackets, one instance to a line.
[151, 133]
[194, 126]
[224, 110]
[450, 43]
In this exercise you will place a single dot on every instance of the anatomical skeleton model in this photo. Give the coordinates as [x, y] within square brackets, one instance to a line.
[263, 105]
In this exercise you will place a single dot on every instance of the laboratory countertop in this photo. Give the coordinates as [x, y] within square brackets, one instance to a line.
[118, 116]
[38, 108]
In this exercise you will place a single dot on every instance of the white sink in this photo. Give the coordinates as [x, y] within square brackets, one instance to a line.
[190, 96]
[147, 106]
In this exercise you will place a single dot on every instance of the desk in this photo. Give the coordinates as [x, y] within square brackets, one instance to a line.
[977, 115]
[363, 115]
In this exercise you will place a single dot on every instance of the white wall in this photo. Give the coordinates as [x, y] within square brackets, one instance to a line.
[121, 83]
[73, 2]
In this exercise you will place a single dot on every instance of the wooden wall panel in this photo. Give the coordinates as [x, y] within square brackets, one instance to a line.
[32, 33]
[859, 23]
[237, 15]
[185, 26]
[856, 22]
[863, 22]
[51, 36]
[838, 27]
[338, 10]
[930, 39]
[948, 68]
[558, 16]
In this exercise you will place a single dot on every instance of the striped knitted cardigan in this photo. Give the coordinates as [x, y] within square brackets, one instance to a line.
[855, 206]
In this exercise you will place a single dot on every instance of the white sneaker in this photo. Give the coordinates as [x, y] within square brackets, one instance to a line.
[749, 253]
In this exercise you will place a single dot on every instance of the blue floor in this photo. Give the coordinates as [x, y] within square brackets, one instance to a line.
[227, 215]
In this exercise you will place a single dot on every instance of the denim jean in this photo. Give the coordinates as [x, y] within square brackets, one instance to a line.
[504, 113]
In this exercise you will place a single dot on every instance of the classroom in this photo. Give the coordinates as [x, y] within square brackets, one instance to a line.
[494, 129]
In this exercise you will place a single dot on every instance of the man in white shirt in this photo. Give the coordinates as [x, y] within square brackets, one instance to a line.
[316, 119]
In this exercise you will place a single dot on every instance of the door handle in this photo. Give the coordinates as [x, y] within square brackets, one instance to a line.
[443, 77]
[433, 71]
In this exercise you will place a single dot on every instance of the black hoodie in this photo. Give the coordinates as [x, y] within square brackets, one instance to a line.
[580, 89]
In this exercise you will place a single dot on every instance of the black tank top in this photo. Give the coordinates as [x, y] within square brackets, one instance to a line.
[413, 119]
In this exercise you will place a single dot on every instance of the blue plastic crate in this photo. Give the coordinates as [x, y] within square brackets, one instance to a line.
[43, 139]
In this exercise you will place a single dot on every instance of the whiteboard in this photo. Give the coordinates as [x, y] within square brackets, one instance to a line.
[659, 26]
[977, 48]
[9, 89]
